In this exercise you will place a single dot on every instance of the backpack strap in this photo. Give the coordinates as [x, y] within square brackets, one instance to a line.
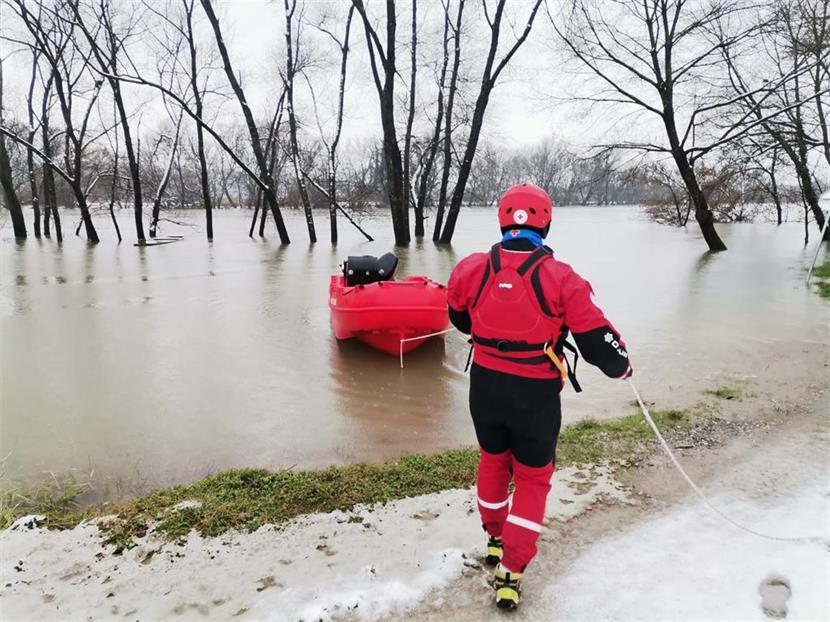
[536, 256]
[493, 266]
[536, 283]
[495, 258]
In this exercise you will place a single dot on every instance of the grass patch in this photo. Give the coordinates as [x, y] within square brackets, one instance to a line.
[246, 499]
[630, 438]
[822, 271]
[821, 274]
[56, 497]
[725, 393]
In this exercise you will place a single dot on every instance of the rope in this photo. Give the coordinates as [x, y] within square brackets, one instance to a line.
[440, 332]
[667, 449]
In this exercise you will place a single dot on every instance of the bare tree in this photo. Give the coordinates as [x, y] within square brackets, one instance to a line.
[332, 144]
[428, 154]
[448, 117]
[106, 54]
[194, 69]
[789, 110]
[162, 186]
[384, 72]
[490, 75]
[292, 64]
[256, 145]
[53, 35]
[50, 199]
[639, 49]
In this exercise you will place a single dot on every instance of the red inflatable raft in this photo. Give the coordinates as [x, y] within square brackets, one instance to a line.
[368, 305]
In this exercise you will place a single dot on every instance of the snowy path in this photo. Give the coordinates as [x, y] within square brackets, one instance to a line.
[367, 563]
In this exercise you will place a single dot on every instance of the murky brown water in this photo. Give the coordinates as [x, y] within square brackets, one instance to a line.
[161, 364]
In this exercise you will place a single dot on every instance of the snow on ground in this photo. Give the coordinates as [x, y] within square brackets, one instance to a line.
[688, 564]
[367, 563]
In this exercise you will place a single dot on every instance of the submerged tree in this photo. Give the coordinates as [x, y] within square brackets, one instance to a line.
[651, 55]
[267, 181]
[331, 144]
[491, 73]
[384, 73]
[292, 66]
[53, 34]
[786, 92]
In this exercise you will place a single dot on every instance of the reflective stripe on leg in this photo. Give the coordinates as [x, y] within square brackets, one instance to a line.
[493, 506]
[523, 522]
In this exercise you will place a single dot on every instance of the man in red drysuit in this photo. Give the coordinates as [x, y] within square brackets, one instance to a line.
[519, 303]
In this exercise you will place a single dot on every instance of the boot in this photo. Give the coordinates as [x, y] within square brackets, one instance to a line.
[508, 588]
[495, 549]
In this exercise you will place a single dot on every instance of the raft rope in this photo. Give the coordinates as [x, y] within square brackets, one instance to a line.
[440, 332]
[704, 498]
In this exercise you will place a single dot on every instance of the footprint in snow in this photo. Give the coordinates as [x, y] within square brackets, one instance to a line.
[775, 591]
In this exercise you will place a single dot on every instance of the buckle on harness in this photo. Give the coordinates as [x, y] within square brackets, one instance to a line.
[557, 362]
[501, 345]
[563, 365]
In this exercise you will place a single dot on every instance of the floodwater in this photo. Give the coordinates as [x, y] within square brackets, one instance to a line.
[159, 365]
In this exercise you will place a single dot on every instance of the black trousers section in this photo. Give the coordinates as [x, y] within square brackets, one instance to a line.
[520, 414]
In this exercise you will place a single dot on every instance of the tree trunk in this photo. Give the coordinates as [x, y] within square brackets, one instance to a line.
[30, 156]
[447, 145]
[341, 96]
[393, 165]
[292, 120]
[703, 214]
[50, 195]
[407, 145]
[200, 134]
[6, 181]
[7, 185]
[332, 199]
[488, 82]
[113, 190]
[466, 164]
[776, 197]
[165, 178]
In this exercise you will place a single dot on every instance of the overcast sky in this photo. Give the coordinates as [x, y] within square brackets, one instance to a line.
[524, 109]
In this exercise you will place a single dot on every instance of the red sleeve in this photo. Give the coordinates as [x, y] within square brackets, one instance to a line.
[577, 304]
[597, 340]
[465, 281]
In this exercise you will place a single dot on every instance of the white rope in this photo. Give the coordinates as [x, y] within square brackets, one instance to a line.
[699, 492]
[440, 332]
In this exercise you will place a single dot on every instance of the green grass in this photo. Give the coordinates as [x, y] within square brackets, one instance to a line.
[821, 274]
[628, 439]
[725, 393]
[822, 271]
[246, 499]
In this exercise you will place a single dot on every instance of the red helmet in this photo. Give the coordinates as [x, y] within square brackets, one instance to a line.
[525, 205]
